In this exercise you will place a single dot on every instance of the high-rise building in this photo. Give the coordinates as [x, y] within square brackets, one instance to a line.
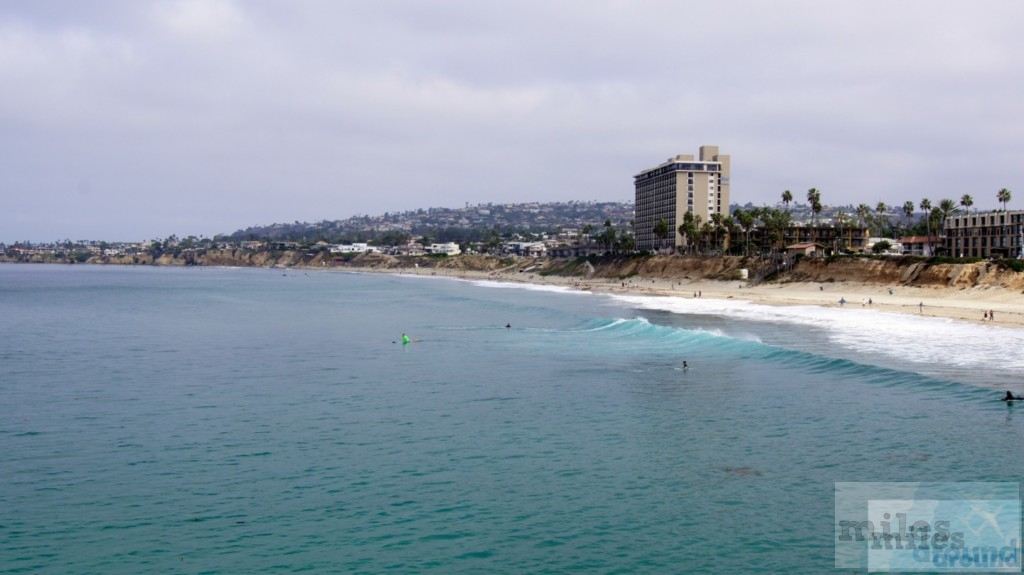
[680, 185]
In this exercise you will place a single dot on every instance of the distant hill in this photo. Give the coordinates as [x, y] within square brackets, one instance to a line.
[471, 223]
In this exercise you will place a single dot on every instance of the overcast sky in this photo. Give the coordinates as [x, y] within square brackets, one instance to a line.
[137, 119]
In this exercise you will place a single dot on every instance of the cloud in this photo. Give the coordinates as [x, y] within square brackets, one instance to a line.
[220, 115]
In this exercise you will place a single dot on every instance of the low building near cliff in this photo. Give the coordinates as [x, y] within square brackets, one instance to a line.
[920, 245]
[575, 250]
[449, 249]
[527, 249]
[354, 248]
[410, 249]
[806, 249]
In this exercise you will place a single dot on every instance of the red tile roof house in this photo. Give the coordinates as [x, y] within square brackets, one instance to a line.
[806, 249]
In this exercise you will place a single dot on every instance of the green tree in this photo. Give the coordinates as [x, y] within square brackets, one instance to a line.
[661, 231]
[947, 208]
[728, 226]
[690, 230]
[1004, 196]
[863, 211]
[746, 221]
[706, 232]
[881, 246]
[908, 211]
[967, 201]
[926, 207]
[775, 222]
[716, 224]
[787, 197]
[881, 220]
[814, 199]
[627, 243]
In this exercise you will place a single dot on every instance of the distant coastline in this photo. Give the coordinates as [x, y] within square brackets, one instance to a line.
[961, 291]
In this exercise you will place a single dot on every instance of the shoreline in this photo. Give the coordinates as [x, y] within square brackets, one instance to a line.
[958, 304]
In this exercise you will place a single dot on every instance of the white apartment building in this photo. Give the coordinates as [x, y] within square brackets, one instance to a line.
[681, 184]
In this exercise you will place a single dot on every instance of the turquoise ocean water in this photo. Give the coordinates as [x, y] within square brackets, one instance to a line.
[254, 421]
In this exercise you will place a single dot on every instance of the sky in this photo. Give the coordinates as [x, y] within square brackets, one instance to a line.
[126, 120]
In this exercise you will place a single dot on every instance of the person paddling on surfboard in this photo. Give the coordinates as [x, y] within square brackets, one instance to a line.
[1010, 397]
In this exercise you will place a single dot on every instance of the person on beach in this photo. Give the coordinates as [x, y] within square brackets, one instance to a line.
[1010, 397]
[991, 315]
[920, 307]
[984, 317]
[842, 301]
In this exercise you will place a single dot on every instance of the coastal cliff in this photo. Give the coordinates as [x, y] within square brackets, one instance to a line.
[905, 271]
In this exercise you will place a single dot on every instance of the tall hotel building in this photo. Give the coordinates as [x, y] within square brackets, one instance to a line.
[680, 185]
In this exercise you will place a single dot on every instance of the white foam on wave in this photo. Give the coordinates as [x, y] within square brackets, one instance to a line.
[527, 286]
[909, 338]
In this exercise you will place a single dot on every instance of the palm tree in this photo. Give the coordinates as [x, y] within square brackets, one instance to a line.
[839, 218]
[746, 221]
[947, 208]
[787, 196]
[881, 208]
[1003, 196]
[908, 210]
[863, 210]
[686, 229]
[814, 197]
[728, 225]
[967, 201]
[776, 222]
[609, 234]
[926, 207]
[695, 233]
[705, 232]
[716, 222]
[661, 230]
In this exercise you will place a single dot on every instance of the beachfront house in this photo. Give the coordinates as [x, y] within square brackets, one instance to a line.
[448, 248]
[527, 249]
[357, 248]
[806, 249]
[410, 249]
[920, 245]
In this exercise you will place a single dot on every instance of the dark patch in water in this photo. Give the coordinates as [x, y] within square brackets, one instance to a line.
[742, 471]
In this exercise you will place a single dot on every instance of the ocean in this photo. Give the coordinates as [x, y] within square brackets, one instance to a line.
[202, 420]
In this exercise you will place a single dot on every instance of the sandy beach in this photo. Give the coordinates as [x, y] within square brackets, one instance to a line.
[970, 305]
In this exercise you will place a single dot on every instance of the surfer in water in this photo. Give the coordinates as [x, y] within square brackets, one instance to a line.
[1010, 397]
[685, 366]
[405, 339]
